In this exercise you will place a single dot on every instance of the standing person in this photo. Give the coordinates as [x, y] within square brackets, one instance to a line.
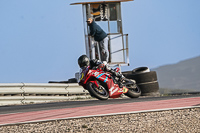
[101, 37]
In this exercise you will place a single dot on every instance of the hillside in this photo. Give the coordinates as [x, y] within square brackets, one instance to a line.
[182, 75]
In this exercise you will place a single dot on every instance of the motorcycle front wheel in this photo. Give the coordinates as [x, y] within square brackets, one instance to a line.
[98, 92]
[133, 91]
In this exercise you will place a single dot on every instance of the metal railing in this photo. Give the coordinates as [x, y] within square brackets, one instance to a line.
[23, 93]
[93, 48]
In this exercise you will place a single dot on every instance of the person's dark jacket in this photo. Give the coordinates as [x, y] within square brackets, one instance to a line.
[97, 32]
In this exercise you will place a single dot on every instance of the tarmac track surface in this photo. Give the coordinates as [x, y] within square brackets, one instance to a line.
[76, 109]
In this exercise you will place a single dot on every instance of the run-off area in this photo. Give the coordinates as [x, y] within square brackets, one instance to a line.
[177, 120]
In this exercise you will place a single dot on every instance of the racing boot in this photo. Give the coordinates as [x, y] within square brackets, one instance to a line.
[120, 77]
[120, 85]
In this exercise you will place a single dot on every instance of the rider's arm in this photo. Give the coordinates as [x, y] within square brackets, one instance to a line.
[94, 63]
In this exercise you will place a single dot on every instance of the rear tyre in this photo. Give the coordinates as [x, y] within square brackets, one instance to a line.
[133, 91]
[100, 93]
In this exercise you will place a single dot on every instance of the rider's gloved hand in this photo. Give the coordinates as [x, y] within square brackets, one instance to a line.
[101, 66]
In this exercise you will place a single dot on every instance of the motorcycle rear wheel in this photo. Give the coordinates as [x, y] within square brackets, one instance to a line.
[100, 93]
[133, 92]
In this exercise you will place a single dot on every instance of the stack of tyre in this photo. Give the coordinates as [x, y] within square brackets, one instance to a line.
[145, 79]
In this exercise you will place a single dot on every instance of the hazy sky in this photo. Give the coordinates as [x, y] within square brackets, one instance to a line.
[40, 40]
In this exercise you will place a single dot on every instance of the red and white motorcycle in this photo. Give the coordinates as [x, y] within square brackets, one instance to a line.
[102, 85]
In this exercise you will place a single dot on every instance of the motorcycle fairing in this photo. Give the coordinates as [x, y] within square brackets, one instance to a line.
[114, 90]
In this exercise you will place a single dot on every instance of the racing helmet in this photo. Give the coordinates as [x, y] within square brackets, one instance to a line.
[83, 61]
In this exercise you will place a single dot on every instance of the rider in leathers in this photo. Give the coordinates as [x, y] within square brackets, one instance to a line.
[84, 61]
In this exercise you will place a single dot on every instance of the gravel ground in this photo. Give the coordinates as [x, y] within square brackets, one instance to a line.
[176, 121]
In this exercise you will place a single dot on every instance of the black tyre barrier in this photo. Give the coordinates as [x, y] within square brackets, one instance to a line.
[149, 88]
[126, 73]
[143, 77]
[140, 70]
[59, 82]
[72, 80]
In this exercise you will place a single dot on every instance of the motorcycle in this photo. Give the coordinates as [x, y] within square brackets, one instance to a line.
[103, 85]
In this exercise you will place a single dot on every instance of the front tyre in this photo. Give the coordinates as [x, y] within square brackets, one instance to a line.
[100, 93]
[133, 91]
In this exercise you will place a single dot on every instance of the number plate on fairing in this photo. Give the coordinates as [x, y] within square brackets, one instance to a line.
[125, 90]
